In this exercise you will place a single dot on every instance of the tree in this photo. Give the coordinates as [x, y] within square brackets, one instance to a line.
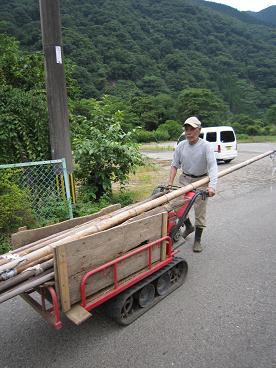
[24, 134]
[152, 111]
[103, 152]
[271, 115]
[23, 107]
[245, 124]
[203, 103]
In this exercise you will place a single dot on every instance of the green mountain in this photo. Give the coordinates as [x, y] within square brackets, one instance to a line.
[267, 15]
[130, 47]
[246, 17]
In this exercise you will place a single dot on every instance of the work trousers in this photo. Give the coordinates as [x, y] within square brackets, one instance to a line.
[200, 205]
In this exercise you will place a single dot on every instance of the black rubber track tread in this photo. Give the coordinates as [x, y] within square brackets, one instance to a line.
[114, 306]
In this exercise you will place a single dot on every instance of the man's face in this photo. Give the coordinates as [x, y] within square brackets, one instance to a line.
[191, 134]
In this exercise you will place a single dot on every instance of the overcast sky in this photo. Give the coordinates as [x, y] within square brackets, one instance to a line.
[253, 5]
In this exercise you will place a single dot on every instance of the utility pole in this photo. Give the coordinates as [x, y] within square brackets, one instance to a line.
[55, 81]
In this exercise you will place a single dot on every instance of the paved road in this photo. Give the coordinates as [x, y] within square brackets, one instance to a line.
[223, 316]
[243, 150]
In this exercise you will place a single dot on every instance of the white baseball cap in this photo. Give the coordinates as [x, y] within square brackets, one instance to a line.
[193, 121]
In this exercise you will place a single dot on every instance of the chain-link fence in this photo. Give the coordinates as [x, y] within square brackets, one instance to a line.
[47, 186]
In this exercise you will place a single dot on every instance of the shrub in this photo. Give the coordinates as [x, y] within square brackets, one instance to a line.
[5, 244]
[85, 206]
[15, 208]
[173, 127]
[144, 136]
[52, 211]
[161, 134]
[104, 153]
[124, 197]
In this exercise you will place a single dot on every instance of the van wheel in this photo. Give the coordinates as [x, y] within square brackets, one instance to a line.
[227, 161]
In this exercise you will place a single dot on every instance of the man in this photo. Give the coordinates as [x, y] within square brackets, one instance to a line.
[196, 159]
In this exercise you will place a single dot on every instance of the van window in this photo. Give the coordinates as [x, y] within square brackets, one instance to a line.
[201, 135]
[227, 136]
[211, 137]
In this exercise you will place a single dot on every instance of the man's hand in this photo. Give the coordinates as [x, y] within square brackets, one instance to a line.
[211, 192]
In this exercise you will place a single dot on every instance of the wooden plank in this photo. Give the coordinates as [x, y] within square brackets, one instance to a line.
[29, 236]
[93, 298]
[61, 273]
[85, 254]
[104, 279]
[78, 314]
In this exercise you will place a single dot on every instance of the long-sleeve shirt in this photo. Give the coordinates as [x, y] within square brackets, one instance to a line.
[196, 159]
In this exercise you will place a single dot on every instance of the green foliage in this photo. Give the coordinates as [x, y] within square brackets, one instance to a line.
[86, 204]
[104, 153]
[154, 47]
[5, 244]
[15, 209]
[24, 132]
[271, 115]
[170, 130]
[51, 211]
[144, 136]
[173, 127]
[23, 108]
[244, 138]
[161, 134]
[23, 126]
[253, 127]
[123, 197]
[204, 104]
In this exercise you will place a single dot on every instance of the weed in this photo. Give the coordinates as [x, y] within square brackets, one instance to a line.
[5, 244]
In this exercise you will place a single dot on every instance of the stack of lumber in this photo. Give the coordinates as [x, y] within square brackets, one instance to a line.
[32, 264]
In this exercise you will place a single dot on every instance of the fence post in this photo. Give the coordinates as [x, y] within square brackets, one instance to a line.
[67, 188]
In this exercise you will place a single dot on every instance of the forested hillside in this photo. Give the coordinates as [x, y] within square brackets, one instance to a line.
[135, 70]
[161, 51]
[267, 15]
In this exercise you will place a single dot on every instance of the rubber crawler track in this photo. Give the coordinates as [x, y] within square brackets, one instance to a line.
[125, 309]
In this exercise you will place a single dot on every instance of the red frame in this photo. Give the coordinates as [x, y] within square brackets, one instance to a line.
[118, 288]
[51, 315]
[174, 215]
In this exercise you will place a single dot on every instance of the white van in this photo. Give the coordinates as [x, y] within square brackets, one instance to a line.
[223, 140]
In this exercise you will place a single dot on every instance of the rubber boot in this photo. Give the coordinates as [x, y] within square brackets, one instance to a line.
[188, 228]
[197, 243]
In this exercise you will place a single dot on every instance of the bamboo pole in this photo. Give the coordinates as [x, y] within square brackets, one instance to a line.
[27, 285]
[28, 248]
[118, 219]
[31, 247]
[28, 273]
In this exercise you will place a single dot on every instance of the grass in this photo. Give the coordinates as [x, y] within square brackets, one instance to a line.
[241, 138]
[156, 147]
[146, 178]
